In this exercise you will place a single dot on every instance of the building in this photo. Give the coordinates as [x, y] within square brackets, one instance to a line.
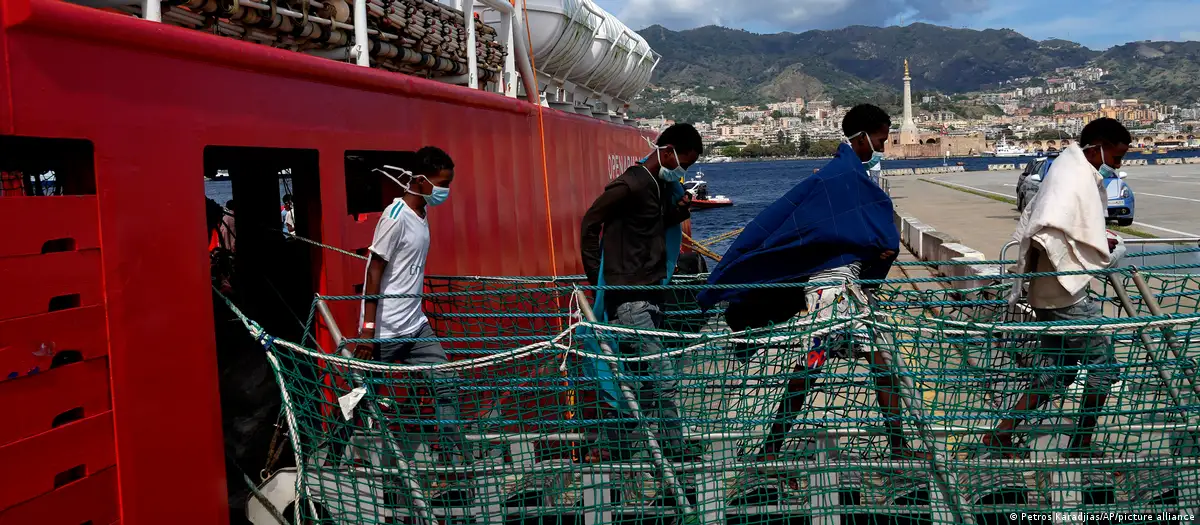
[753, 115]
[791, 122]
[788, 109]
[654, 124]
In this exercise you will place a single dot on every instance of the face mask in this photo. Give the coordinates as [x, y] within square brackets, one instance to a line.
[676, 174]
[876, 157]
[436, 197]
[1105, 170]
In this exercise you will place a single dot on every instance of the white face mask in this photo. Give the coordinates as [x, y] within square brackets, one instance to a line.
[876, 157]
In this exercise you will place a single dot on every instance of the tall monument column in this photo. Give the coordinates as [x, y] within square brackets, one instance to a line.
[909, 134]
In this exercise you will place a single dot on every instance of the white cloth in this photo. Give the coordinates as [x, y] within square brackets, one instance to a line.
[402, 240]
[1066, 223]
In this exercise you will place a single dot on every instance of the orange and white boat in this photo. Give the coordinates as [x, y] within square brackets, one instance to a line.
[698, 188]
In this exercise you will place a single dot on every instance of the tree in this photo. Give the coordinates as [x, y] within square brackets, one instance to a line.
[803, 147]
[1190, 128]
[1050, 134]
[730, 151]
[781, 137]
[823, 148]
[753, 150]
[776, 114]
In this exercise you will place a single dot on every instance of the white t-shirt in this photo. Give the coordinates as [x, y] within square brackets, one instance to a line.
[401, 239]
[289, 219]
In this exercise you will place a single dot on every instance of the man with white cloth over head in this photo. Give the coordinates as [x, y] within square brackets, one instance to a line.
[1063, 230]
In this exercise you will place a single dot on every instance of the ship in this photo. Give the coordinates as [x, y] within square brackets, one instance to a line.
[121, 402]
[1003, 149]
[697, 187]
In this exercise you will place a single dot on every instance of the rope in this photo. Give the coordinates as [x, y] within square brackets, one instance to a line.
[326, 246]
[542, 145]
[713, 240]
[700, 248]
[275, 448]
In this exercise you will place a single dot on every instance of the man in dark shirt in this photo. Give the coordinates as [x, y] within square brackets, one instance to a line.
[633, 214]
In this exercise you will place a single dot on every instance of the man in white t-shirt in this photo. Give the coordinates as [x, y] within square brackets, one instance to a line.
[396, 266]
[288, 215]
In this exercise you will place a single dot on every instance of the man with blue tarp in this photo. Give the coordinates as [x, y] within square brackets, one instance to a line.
[631, 237]
[831, 229]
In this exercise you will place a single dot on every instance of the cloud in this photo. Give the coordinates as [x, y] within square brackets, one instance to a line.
[1094, 29]
[786, 15]
[1084, 21]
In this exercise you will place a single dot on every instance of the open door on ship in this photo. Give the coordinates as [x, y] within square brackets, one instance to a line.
[271, 277]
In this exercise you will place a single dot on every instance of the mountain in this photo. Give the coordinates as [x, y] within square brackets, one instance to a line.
[854, 63]
[1162, 71]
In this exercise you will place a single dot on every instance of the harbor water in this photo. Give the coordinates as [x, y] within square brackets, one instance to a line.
[754, 185]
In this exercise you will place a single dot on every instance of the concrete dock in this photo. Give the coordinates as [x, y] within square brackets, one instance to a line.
[1167, 198]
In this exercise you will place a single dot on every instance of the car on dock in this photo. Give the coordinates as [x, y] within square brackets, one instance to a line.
[1030, 179]
[1119, 199]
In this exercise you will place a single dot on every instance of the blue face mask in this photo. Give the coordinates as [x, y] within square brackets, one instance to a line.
[676, 174]
[1105, 170]
[671, 174]
[876, 157]
[434, 198]
[438, 196]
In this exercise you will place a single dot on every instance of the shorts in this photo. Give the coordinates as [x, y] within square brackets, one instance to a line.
[1076, 349]
[826, 303]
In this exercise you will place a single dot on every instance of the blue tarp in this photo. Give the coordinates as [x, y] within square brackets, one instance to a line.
[610, 391]
[833, 218]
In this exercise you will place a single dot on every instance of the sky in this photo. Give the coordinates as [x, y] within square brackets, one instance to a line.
[1098, 24]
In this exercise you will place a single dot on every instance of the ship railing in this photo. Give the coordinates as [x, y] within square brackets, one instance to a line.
[511, 34]
[535, 411]
[1141, 251]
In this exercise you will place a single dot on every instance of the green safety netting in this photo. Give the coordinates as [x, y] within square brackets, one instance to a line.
[890, 429]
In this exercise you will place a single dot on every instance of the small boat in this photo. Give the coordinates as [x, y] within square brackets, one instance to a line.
[698, 188]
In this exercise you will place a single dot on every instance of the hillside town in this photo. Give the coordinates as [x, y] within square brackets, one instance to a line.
[1032, 113]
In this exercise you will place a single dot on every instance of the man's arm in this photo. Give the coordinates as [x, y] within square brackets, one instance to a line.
[386, 241]
[370, 306]
[593, 224]
[679, 212]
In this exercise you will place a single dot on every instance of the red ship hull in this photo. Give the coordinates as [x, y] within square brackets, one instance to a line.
[707, 204]
[149, 99]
